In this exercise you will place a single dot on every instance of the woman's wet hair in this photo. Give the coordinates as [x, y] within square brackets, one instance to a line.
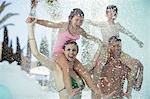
[71, 42]
[114, 38]
[76, 12]
[114, 7]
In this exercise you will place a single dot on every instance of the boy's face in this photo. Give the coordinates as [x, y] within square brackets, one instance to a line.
[77, 21]
[70, 52]
[111, 14]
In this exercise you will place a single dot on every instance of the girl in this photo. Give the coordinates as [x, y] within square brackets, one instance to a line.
[69, 31]
[109, 29]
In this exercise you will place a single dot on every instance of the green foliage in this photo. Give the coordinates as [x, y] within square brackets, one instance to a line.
[7, 16]
[44, 48]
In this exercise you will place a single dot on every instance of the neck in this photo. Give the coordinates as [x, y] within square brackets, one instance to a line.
[71, 64]
[114, 56]
[114, 61]
[72, 26]
[72, 29]
[110, 21]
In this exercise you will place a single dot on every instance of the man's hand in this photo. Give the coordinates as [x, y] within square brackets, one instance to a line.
[126, 94]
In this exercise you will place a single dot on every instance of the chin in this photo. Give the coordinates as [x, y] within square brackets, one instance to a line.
[71, 59]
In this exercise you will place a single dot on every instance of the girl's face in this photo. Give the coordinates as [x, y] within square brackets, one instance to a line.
[111, 14]
[70, 52]
[77, 21]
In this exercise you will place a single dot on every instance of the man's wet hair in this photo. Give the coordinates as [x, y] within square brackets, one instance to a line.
[114, 38]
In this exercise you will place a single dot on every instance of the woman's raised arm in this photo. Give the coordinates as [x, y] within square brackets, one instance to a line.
[42, 58]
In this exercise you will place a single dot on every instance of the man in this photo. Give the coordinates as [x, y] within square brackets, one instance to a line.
[111, 75]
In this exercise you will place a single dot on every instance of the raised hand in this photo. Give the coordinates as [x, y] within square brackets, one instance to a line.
[30, 19]
[141, 44]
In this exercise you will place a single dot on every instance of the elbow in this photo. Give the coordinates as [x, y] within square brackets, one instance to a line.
[35, 53]
[34, 48]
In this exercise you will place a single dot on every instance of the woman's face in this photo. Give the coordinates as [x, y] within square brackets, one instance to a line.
[77, 21]
[70, 52]
[111, 14]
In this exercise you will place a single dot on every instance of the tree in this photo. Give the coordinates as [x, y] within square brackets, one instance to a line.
[5, 48]
[17, 56]
[54, 10]
[7, 51]
[44, 48]
[7, 16]
[10, 53]
[5, 45]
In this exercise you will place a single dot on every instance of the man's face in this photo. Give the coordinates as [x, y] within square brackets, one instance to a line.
[115, 48]
[70, 52]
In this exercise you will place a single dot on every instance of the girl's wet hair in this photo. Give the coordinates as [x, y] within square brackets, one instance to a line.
[76, 12]
[71, 42]
[114, 38]
[111, 7]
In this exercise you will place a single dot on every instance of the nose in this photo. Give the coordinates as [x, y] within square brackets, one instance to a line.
[71, 52]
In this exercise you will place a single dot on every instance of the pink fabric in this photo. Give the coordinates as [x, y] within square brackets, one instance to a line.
[62, 38]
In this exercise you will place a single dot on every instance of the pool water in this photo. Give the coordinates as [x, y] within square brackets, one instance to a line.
[5, 92]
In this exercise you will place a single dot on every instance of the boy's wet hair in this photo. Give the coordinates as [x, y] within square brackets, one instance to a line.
[114, 7]
[114, 38]
[76, 12]
[71, 42]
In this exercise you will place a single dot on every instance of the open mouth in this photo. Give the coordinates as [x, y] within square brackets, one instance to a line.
[71, 57]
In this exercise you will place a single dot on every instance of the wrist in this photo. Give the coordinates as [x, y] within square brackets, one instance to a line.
[35, 20]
